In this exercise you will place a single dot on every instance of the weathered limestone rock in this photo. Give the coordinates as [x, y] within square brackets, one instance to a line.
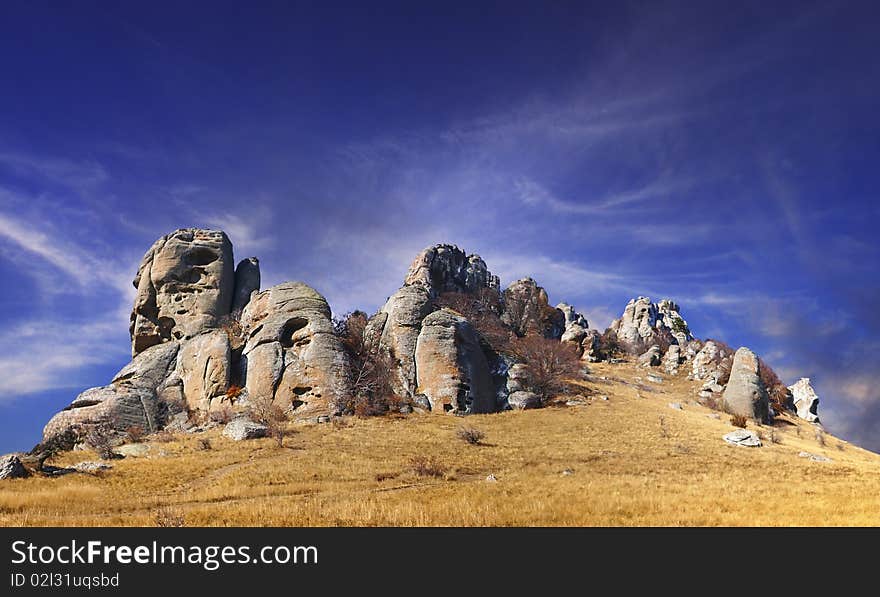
[578, 332]
[672, 359]
[397, 326]
[185, 283]
[744, 438]
[131, 399]
[527, 310]
[204, 366]
[241, 428]
[806, 402]
[523, 400]
[446, 268]
[651, 357]
[745, 394]
[291, 353]
[451, 368]
[12, 468]
[644, 323]
[247, 280]
[709, 363]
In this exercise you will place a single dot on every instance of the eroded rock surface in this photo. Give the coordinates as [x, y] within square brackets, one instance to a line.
[806, 402]
[644, 324]
[527, 310]
[745, 394]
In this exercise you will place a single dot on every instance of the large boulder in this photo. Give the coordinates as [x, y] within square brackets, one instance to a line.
[291, 353]
[247, 280]
[132, 399]
[242, 428]
[806, 402]
[745, 394]
[185, 284]
[396, 327]
[527, 310]
[12, 468]
[452, 370]
[446, 268]
[644, 324]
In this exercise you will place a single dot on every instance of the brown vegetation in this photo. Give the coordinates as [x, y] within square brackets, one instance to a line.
[483, 310]
[551, 365]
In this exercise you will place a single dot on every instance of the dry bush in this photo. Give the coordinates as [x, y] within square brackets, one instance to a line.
[425, 466]
[470, 435]
[169, 518]
[163, 437]
[609, 346]
[664, 431]
[775, 437]
[551, 365]
[385, 476]
[820, 436]
[101, 438]
[234, 391]
[263, 410]
[222, 415]
[739, 421]
[371, 372]
[55, 445]
[483, 310]
[204, 444]
[135, 433]
[231, 324]
[780, 396]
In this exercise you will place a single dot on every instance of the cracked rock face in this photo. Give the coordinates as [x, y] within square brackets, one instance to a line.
[291, 353]
[204, 367]
[185, 283]
[745, 393]
[644, 323]
[806, 401]
[446, 268]
[131, 400]
[527, 310]
[452, 370]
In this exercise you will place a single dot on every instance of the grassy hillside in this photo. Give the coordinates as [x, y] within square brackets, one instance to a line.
[630, 460]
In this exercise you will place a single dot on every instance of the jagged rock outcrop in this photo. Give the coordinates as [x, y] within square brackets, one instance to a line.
[247, 280]
[577, 331]
[135, 397]
[452, 370]
[672, 359]
[446, 268]
[185, 284]
[527, 310]
[711, 363]
[291, 353]
[644, 324]
[745, 394]
[12, 468]
[806, 402]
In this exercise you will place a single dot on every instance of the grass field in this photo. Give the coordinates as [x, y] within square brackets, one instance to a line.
[630, 460]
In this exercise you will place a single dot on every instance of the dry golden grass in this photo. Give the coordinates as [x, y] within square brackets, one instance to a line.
[627, 468]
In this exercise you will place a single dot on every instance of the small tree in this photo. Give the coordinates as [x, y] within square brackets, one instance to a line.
[371, 371]
[483, 310]
[100, 437]
[551, 365]
[56, 444]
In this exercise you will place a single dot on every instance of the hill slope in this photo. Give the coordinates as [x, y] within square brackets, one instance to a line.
[630, 460]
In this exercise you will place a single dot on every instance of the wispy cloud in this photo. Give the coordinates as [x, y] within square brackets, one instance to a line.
[79, 175]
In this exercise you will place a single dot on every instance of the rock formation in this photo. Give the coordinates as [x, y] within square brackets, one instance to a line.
[291, 354]
[452, 370]
[247, 280]
[577, 331]
[446, 268]
[185, 283]
[644, 324]
[745, 394]
[806, 402]
[527, 310]
[12, 468]
[710, 363]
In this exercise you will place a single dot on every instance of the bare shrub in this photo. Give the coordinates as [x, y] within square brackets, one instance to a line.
[100, 437]
[385, 476]
[222, 415]
[483, 310]
[739, 421]
[204, 444]
[551, 365]
[780, 396]
[609, 346]
[775, 437]
[425, 466]
[55, 445]
[820, 436]
[664, 431]
[231, 324]
[135, 433]
[265, 411]
[470, 435]
[169, 518]
[163, 436]
[371, 372]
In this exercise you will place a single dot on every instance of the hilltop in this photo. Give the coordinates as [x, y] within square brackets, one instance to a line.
[246, 406]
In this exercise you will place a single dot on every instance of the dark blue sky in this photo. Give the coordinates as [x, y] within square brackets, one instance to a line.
[723, 156]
